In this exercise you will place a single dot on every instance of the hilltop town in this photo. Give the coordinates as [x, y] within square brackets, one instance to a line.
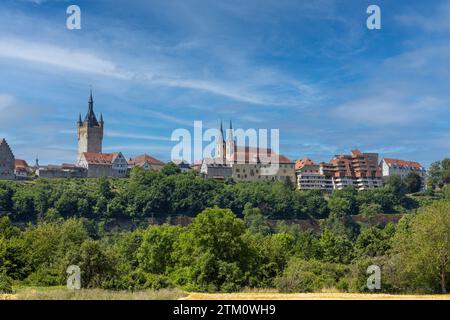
[241, 163]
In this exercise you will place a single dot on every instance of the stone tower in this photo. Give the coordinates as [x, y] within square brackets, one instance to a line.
[90, 131]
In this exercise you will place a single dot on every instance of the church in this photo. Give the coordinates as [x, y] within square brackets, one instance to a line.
[90, 155]
[245, 163]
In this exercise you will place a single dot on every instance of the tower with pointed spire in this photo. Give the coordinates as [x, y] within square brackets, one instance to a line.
[230, 143]
[221, 147]
[90, 131]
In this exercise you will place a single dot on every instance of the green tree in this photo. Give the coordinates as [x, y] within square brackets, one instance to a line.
[446, 192]
[104, 188]
[446, 170]
[396, 185]
[170, 168]
[421, 249]
[343, 202]
[373, 241]
[335, 248]
[5, 283]
[413, 182]
[311, 275]
[155, 252]
[369, 210]
[211, 254]
[23, 203]
[315, 204]
[254, 220]
[98, 264]
[6, 193]
[434, 175]
[13, 261]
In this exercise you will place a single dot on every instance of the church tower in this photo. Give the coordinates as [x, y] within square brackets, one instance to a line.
[90, 131]
[221, 148]
[230, 143]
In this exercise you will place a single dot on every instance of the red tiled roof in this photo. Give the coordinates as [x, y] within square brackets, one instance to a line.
[304, 162]
[145, 158]
[399, 162]
[20, 163]
[100, 158]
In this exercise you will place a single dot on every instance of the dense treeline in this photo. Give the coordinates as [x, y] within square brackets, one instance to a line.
[170, 193]
[229, 245]
[220, 252]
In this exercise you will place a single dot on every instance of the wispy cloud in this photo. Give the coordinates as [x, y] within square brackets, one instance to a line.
[58, 56]
[264, 87]
[387, 108]
[311, 69]
[135, 136]
[437, 21]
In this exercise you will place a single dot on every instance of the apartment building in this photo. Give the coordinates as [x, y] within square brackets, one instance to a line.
[360, 170]
[310, 176]
[390, 166]
[402, 168]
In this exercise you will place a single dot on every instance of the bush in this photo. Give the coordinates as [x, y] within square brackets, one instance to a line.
[156, 281]
[5, 283]
[446, 192]
[357, 281]
[44, 277]
[312, 275]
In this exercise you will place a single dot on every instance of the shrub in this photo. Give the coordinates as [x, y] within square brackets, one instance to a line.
[5, 283]
[44, 277]
[357, 281]
[312, 275]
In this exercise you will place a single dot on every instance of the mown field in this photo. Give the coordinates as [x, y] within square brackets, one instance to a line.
[311, 296]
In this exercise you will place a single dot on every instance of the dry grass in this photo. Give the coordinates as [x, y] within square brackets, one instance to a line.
[92, 294]
[309, 296]
[60, 293]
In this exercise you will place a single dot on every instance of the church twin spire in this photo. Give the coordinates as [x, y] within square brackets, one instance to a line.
[225, 150]
[230, 132]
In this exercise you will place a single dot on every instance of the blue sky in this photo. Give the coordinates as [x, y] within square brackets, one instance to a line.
[309, 68]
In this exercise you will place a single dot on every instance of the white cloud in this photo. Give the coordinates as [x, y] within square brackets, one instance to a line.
[13, 111]
[387, 108]
[436, 22]
[136, 136]
[264, 87]
[58, 56]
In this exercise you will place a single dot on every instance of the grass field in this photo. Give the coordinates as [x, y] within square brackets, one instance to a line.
[60, 293]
